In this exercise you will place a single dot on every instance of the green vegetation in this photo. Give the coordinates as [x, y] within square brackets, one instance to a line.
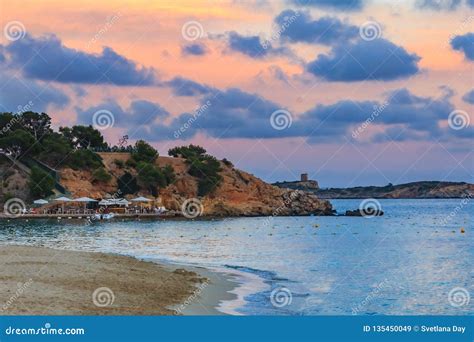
[41, 183]
[187, 151]
[150, 177]
[101, 175]
[127, 184]
[203, 166]
[29, 137]
[119, 163]
[144, 152]
[84, 160]
[84, 137]
[227, 162]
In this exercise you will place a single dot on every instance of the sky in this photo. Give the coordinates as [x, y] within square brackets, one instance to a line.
[352, 92]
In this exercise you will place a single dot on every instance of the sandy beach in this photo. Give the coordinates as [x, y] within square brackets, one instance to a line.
[43, 281]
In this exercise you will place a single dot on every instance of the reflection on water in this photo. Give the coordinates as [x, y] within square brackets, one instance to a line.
[405, 262]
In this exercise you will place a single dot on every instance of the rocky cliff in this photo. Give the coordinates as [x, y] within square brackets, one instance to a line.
[240, 193]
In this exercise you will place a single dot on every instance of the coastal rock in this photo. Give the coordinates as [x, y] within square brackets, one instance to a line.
[358, 212]
[239, 194]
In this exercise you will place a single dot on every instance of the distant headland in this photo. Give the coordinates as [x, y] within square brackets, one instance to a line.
[421, 189]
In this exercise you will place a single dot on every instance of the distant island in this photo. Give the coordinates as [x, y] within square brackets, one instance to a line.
[422, 189]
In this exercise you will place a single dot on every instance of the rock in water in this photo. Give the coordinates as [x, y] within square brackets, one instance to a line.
[358, 212]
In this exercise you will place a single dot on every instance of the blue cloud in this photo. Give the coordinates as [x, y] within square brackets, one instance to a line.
[140, 112]
[195, 49]
[184, 87]
[16, 93]
[438, 5]
[252, 46]
[234, 113]
[464, 43]
[340, 5]
[46, 58]
[469, 97]
[470, 3]
[362, 60]
[300, 27]
[79, 91]
[2, 55]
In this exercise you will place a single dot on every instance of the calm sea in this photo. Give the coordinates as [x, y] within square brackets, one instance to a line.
[412, 261]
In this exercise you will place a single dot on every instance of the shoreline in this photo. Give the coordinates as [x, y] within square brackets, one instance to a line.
[46, 281]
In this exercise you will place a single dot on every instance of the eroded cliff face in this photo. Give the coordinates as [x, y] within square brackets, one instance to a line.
[240, 193]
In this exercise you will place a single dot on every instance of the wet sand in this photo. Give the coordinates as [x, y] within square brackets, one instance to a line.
[43, 281]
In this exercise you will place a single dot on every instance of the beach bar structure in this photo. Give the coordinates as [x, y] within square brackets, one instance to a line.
[141, 200]
[63, 201]
[116, 205]
[84, 200]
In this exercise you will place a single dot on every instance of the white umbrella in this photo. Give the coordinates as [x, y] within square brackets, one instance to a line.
[40, 201]
[62, 199]
[105, 202]
[84, 200]
[123, 201]
[141, 199]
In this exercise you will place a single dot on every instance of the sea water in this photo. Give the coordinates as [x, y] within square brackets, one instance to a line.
[414, 260]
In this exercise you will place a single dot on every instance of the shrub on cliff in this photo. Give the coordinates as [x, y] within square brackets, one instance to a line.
[187, 151]
[119, 163]
[127, 184]
[41, 183]
[144, 152]
[84, 160]
[101, 175]
[150, 177]
[203, 166]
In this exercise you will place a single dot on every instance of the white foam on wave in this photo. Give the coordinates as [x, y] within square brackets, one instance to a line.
[248, 284]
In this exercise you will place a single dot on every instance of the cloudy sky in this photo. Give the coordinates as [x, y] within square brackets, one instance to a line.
[354, 92]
